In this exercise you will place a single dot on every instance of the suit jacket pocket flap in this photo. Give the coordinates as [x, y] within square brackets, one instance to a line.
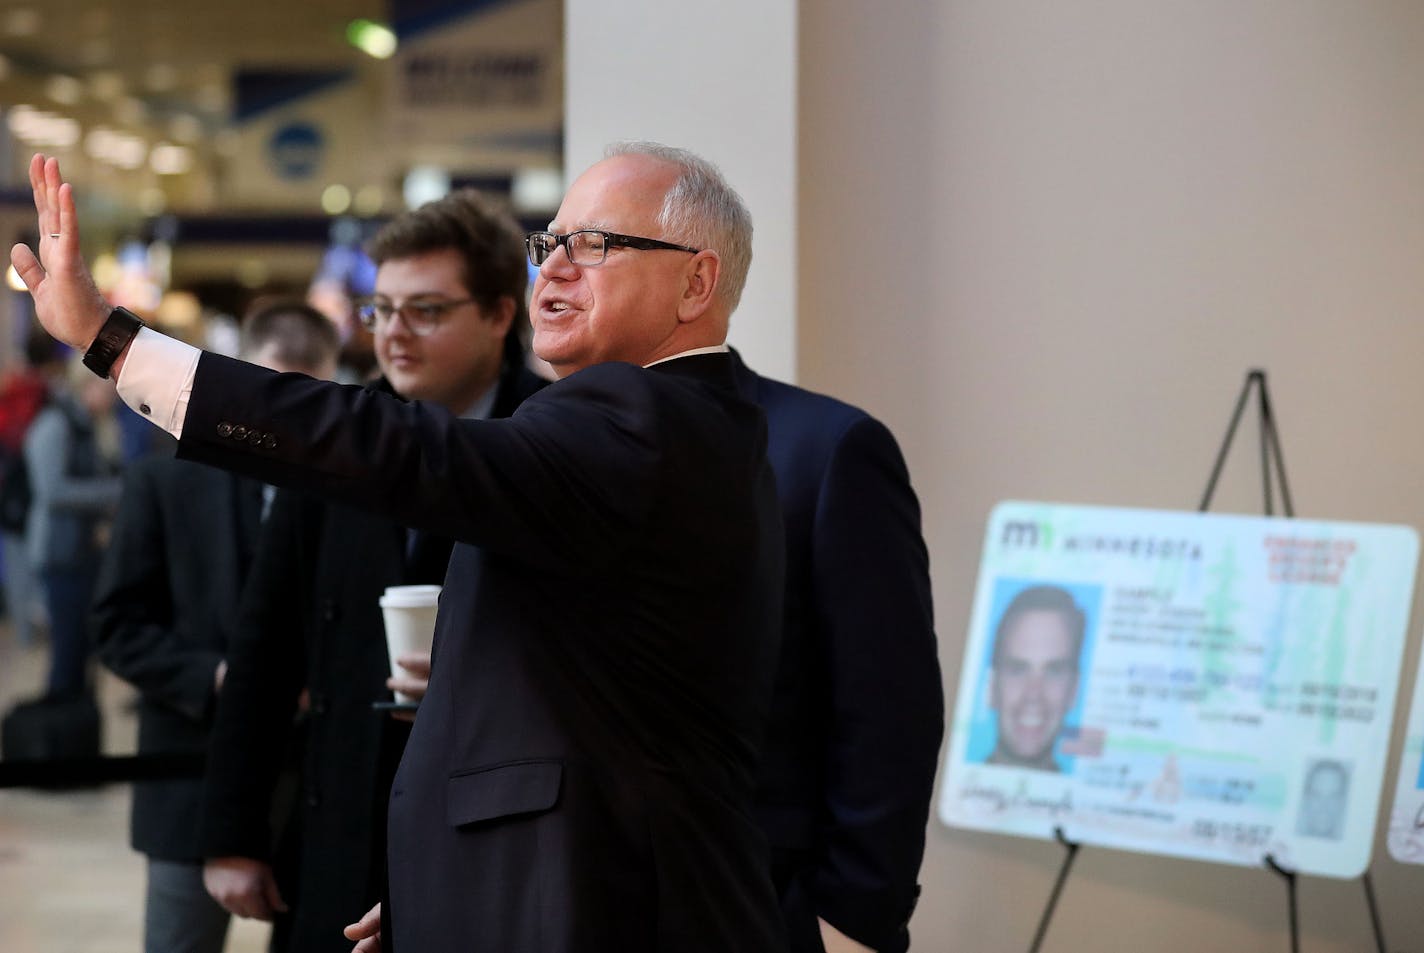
[503, 791]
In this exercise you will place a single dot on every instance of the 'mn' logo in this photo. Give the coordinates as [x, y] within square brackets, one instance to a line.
[1026, 535]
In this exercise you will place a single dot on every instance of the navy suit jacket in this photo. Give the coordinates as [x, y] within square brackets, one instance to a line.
[164, 613]
[580, 774]
[858, 710]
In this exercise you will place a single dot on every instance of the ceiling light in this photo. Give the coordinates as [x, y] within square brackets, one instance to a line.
[536, 190]
[63, 133]
[40, 128]
[335, 199]
[425, 183]
[19, 115]
[168, 159]
[372, 38]
[122, 149]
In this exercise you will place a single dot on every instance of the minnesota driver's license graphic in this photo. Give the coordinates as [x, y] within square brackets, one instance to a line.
[1199, 685]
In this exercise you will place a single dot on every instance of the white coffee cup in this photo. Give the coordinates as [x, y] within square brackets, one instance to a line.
[409, 612]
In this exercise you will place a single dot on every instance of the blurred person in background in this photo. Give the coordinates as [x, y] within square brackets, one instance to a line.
[164, 613]
[71, 456]
[24, 388]
[448, 306]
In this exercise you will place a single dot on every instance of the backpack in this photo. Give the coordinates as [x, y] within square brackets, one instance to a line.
[15, 494]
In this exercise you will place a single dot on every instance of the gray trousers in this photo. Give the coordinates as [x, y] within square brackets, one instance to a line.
[179, 916]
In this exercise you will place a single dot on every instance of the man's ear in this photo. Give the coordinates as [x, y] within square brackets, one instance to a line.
[700, 285]
[501, 315]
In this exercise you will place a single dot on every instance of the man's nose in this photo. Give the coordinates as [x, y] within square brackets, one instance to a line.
[397, 325]
[1035, 684]
[558, 264]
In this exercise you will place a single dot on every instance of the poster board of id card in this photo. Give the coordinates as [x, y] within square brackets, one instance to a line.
[1197, 685]
[1405, 837]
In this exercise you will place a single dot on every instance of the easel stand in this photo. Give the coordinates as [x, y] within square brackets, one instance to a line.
[1289, 877]
[1071, 852]
[1270, 448]
[1273, 469]
[1273, 465]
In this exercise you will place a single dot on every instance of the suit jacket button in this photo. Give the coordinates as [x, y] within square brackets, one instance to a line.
[239, 432]
[313, 800]
[224, 429]
[269, 442]
[255, 438]
[329, 610]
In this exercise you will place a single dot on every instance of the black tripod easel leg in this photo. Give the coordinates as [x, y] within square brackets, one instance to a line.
[1269, 435]
[1251, 379]
[1272, 459]
[1072, 852]
[1289, 876]
[1374, 910]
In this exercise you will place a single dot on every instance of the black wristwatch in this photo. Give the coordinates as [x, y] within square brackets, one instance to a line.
[113, 337]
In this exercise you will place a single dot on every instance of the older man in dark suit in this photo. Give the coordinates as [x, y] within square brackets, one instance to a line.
[580, 775]
[164, 610]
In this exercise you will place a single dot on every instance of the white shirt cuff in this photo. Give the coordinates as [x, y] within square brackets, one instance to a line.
[157, 378]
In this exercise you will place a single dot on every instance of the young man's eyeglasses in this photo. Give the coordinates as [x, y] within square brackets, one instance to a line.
[588, 246]
[422, 315]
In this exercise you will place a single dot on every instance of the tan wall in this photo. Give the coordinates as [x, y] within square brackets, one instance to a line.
[1045, 242]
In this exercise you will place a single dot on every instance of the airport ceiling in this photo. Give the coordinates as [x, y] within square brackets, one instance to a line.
[147, 63]
[155, 75]
[118, 88]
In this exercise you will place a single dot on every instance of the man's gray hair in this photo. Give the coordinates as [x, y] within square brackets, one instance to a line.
[703, 211]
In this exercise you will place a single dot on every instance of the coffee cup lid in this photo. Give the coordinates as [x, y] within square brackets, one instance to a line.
[410, 596]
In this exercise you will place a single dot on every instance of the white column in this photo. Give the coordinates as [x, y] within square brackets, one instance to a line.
[720, 80]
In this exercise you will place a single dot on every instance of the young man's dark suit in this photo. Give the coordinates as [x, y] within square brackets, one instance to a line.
[858, 709]
[165, 611]
[579, 777]
[311, 619]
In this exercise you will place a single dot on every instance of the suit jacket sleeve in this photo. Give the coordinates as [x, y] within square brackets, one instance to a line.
[266, 672]
[872, 602]
[544, 485]
[133, 612]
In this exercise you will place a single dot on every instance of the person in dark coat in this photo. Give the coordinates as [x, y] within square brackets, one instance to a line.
[449, 303]
[581, 771]
[163, 617]
[858, 712]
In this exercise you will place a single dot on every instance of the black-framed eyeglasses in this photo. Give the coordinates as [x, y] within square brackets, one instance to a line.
[422, 315]
[589, 246]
